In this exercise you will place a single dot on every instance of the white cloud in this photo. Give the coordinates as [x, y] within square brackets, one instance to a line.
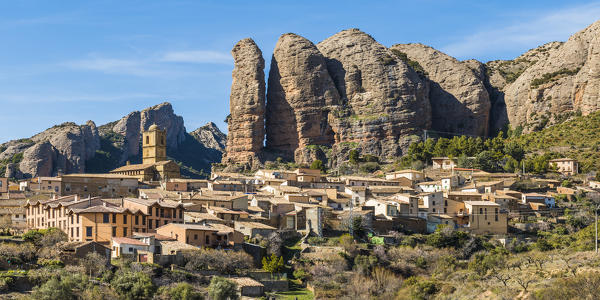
[198, 56]
[532, 31]
[114, 66]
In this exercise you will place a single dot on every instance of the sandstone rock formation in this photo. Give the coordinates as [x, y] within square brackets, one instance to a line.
[459, 100]
[211, 137]
[383, 101]
[39, 160]
[72, 148]
[300, 96]
[565, 80]
[247, 105]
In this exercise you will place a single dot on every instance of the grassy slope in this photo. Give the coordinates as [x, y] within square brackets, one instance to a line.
[578, 138]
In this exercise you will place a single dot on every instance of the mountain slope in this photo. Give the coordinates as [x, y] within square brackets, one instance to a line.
[72, 148]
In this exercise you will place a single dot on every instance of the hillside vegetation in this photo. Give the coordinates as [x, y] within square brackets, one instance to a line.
[577, 138]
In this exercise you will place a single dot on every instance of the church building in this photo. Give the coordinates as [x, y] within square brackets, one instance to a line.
[154, 166]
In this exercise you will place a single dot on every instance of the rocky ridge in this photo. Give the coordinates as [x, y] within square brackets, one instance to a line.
[385, 97]
[71, 148]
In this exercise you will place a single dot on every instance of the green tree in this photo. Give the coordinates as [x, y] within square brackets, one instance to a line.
[184, 291]
[354, 157]
[511, 165]
[133, 285]
[273, 264]
[515, 150]
[317, 165]
[222, 289]
[486, 161]
[53, 289]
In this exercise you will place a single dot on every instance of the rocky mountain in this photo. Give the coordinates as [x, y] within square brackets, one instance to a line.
[211, 137]
[351, 92]
[246, 122]
[71, 148]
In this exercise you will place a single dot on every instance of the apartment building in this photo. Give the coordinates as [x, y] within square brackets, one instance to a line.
[486, 217]
[159, 212]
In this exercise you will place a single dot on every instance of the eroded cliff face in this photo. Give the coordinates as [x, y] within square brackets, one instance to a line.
[61, 149]
[300, 96]
[247, 105]
[384, 103]
[71, 148]
[459, 99]
[130, 127]
[562, 79]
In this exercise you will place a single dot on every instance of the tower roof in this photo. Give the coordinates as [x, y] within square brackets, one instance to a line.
[153, 127]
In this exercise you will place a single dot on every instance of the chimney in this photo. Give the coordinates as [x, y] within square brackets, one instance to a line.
[76, 198]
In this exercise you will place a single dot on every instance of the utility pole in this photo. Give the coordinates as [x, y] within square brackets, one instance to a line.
[596, 226]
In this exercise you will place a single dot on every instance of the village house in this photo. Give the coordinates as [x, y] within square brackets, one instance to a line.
[185, 185]
[230, 201]
[252, 229]
[412, 175]
[383, 208]
[548, 200]
[3, 185]
[157, 212]
[409, 204]
[565, 166]
[443, 163]
[102, 185]
[126, 246]
[485, 217]
[202, 235]
[430, 186]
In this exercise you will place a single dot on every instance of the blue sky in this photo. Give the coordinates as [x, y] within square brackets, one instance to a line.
[98, 60]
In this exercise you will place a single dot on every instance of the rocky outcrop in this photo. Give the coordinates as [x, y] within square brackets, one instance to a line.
[565, 80]
[459, 100]
[300, 97]
[39, 160]
[63, 148]
[130, 128]
[211, 137]
[247, 105]
[71, 148]
[383, 101]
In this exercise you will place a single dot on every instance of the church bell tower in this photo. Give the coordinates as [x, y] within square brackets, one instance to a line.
[154, 145]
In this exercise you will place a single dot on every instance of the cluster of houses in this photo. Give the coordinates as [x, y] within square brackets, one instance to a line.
[149, 212]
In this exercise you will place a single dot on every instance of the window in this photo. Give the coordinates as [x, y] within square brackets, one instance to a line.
[114, 217]
[147, 140]
[496, 214]
[150, 224]
[195, 236]
[143, 220]
[124, 219]
[124, 231]
[71, 231]
[137, 220]
[445, 202]
[157, 224]
[130, 249]
[114, 231]
[208, 239]
[88, 231]
[105, 218]
[157, 211]
[71, 219]
[77, 231]
[181, 213]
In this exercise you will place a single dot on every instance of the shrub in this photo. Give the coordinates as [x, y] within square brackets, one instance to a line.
[222, 289]
[369, 167]
[53, 289]
[133, 285]
[226, 262]
[317, 165]
[183, 291]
